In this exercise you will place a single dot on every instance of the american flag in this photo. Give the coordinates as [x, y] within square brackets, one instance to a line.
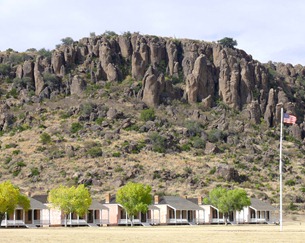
[290, 119]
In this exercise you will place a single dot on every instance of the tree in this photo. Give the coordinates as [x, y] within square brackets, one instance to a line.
[70, 200]
[228, 200]
[228, 42]
[135, 198]
[10, 197]
[67, 41]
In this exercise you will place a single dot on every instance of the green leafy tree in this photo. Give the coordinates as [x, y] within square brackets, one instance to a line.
[135, 198]
[228, 200]
[10, 197]
[67, 41]
[228, 42]
[70, 200]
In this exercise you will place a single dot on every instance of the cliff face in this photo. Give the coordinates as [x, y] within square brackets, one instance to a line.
[210, 101]
[171, 69]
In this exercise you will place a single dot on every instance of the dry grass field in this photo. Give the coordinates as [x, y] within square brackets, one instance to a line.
[292, 232]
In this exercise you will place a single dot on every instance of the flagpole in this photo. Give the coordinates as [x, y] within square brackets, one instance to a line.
[281, 173]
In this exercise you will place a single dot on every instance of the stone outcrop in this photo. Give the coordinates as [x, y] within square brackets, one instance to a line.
[78, 85]
[200, 83]
[194, 71]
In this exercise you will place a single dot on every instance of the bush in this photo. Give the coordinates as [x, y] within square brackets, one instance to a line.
[67, 41]
[193, 128]
[5, 69]
[212, 171]
[86, 108]
[290, 182]
[215, 135]
[198, 143]
[34, 172]
[158, 142]
[185, 147]
[51, 80]
[116, 154]
[45, 53]
[147, 115]
[228, 42]
[75, 127]
[45, 138]
[95, 152]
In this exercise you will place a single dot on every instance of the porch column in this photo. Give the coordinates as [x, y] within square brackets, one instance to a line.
[23, 215]
[33, 217]
[181, 212]
[101, 211]
[49, 217]
[15, 217]
[255, 216]
[217, 215]
[175, 213]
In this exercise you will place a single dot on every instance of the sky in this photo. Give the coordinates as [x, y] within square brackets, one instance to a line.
[269, 30]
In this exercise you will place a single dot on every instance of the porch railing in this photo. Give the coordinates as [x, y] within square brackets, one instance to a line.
[153, 221]
[216, 220]
[41, 222]
[74, 222]
[12, 223]
[127, 221]
[101, 221]
[258, 220]
[177, 221]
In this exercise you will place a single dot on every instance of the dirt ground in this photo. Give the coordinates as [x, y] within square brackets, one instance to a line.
[292, 232]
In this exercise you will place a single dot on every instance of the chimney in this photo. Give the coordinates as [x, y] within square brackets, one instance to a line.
[107, 198]
[199, 200]
[156, 199]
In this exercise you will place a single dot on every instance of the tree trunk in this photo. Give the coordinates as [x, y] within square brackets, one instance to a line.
[131, 221]
[65, 220]
[226, 218]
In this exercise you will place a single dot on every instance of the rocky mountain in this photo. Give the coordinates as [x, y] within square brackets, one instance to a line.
[181, 115]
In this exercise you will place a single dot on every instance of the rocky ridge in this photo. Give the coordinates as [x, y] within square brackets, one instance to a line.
[211, 104]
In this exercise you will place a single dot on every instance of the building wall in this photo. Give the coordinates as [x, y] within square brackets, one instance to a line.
[163, 213]
[55, 216]
[113, 214]
[207, 213]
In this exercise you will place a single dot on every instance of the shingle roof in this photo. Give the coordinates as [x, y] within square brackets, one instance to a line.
[179, 203]
[34, 204]
[41, 198]
[96, 205]
[260, 205]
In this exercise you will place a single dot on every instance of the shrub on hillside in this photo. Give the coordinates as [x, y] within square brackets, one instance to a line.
[75, 127]
[45, 138]
[147, 115]
[157, 142]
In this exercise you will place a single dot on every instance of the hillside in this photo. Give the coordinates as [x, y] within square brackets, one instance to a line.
[180, 115]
